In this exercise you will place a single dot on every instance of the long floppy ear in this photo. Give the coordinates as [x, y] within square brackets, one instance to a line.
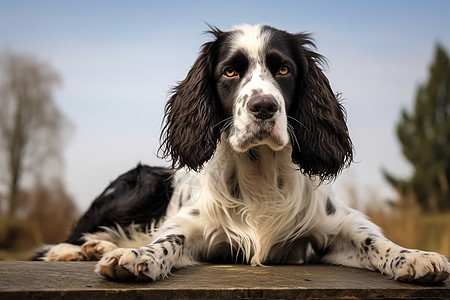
[322, 145]
[190, 134]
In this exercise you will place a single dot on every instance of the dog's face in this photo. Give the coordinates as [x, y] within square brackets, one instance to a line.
[255, 77]
[261, 86]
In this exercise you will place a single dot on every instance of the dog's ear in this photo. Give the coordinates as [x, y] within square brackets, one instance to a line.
[192, 113]
[322, 145]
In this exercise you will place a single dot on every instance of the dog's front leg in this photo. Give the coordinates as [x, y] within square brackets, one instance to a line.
[177, 246]
[359, 243]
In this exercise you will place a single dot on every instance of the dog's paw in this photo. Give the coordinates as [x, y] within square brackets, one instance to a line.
[131, 264]
[95, 249]
[421, 267]
[61, 252]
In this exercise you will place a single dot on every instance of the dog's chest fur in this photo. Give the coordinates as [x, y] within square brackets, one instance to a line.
[253, 206]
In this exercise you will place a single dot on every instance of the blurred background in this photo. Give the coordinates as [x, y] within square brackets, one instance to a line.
[83, 86]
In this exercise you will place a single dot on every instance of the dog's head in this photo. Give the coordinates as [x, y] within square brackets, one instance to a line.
[261, 86]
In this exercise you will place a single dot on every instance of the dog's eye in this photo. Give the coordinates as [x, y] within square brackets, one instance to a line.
[230, 72]
[283, 71]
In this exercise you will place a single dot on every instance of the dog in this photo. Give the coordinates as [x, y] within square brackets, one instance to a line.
[254, 133]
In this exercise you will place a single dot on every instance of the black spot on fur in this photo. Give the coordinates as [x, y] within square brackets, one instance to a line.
[160, 241]
[366, 249]
[256, 92]
[375, 249]
[172, 239]
[150, 250]
[40, 253]
[399, 259]
[194, 212]
[179, 240]
[330, 209]
[280, 183]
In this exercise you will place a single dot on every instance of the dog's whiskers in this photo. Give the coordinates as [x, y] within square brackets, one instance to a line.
[228, 122]
[294, 139]
[301, 124]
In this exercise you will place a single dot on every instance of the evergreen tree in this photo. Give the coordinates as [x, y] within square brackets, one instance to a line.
[424, 134]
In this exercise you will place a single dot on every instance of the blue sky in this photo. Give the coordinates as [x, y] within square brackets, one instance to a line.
[118, 61]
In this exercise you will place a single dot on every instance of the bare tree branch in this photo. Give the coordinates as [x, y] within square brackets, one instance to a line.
[31, 125]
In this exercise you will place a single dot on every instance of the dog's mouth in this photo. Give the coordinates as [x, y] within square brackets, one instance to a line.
[257, 133]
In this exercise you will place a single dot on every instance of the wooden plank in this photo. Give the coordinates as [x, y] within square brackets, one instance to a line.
[77, 280]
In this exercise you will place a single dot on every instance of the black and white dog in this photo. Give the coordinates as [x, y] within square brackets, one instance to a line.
[259, 128]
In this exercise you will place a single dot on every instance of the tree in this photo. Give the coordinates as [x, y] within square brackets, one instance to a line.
[424, 134]
[31, 125]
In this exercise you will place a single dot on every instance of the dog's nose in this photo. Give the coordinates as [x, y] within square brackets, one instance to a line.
[263, 106]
